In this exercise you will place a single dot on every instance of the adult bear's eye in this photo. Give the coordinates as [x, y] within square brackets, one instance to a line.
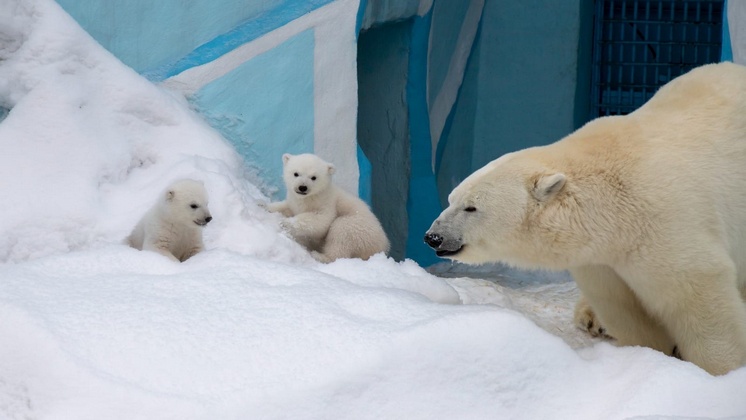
[296, 174]
[194, 206]
[470, 209]
[313, 178]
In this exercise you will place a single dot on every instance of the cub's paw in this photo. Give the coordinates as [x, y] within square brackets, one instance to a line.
[321, 257]
[586, 320]
[288, 225]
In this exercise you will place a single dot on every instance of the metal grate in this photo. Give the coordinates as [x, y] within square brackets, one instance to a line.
[640, 45]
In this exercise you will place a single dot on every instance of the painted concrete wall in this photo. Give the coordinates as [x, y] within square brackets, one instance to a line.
[527, 78]
[245, 106]
[736, 20]
[456, 145]
[521, 85]
[272, 76]
[380, 12]
[383, 124]
[145, 34]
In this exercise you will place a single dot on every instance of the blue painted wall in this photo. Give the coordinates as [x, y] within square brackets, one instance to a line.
[726, 51]
[383, 124]
[527, 78]
[423, 205]
[520, 86]
[380, 12]
[456, 146]
[145, 34]
[448, 18]
[265, 107]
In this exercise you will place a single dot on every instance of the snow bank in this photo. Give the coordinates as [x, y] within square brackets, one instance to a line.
[251, 328]
[89, 144]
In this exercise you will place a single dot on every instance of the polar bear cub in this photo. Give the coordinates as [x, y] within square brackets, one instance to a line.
[646, 210]
[326, 220]
[173, 226]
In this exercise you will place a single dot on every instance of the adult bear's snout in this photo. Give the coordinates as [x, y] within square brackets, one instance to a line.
[433, 240]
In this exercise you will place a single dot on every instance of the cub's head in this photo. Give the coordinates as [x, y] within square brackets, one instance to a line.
[306, 174]
[186, 202]
[509, 211]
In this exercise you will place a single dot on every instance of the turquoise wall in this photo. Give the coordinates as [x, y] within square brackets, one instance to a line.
[383, 124]
[520, 86]
[528, 72]
[265, 107]
[448, 18]
[146, 34]
[381, 12]
[456, 146]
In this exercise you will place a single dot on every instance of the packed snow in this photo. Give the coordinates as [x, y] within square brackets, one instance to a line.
[253, 327]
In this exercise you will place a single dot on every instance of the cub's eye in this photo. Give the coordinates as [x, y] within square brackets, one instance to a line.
[470, 209]
[313, 178]
[194, 206]
[296, 174]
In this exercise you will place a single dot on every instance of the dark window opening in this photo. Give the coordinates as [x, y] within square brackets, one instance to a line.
[640, 45]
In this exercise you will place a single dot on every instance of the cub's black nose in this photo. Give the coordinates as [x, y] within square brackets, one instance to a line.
[207, 219]
[302, 188]
[433, 240]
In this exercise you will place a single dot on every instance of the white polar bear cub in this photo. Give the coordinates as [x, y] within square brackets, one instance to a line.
[647, 211]
[173, 226]
[322, 217]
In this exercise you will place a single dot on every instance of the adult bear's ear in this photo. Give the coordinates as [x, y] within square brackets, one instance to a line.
[285, 158]
[170, 195]
[547, 186]
[331, 169]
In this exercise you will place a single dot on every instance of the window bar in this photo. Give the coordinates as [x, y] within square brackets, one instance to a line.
[684, 38]
[620, 70]
[607, 88]
[658, 48]
[696, 32]
[670, 44]
[645, 53]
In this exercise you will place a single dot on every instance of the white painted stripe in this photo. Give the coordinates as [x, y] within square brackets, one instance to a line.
[193, 79]
[335, 92]
[455, 76]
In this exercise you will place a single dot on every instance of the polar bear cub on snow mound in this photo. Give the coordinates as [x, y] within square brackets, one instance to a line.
[326, 220]
[646, 210]
[173, 226]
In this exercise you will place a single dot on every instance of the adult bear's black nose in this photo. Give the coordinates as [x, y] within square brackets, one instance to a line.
[433, 240]
[302, 188]
[207, 219]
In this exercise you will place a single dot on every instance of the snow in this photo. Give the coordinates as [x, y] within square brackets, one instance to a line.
[253, 327]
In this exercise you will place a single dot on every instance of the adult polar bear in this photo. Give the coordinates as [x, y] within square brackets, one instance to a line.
[647, 211]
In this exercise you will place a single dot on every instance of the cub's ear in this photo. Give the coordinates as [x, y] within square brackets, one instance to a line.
[548, 186]
[170, 195]
[286, 157]
[331, 169]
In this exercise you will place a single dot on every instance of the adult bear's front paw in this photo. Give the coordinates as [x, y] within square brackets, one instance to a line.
[586, 320]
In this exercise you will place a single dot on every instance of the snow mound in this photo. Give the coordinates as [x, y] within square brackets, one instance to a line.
[253, 327]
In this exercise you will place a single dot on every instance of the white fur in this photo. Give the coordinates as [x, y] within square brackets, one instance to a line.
[322, 217]
[173, 226]
[647, 211]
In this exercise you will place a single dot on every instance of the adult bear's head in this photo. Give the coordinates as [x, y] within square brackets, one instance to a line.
[517, 209]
